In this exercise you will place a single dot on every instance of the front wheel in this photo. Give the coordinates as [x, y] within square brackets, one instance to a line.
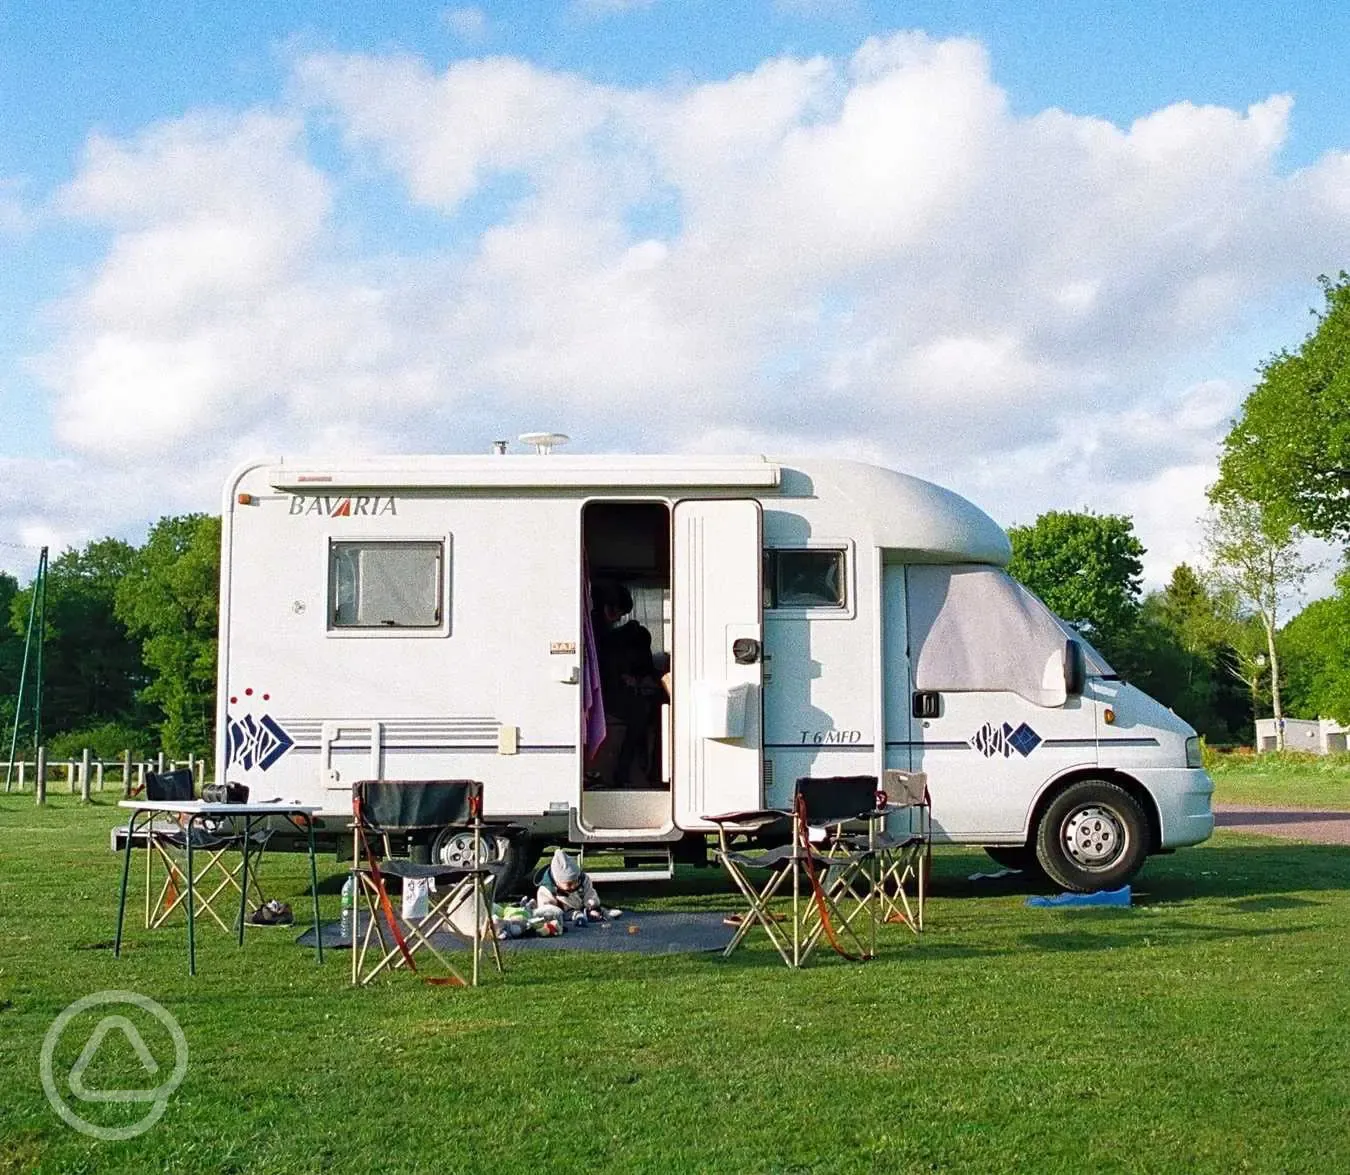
[1092, 836]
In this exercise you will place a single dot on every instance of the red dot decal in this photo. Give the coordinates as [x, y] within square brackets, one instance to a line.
[266, 697]
[248, 693]
[233, 700]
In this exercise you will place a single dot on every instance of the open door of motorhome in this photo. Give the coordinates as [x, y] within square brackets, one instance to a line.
[717, 666]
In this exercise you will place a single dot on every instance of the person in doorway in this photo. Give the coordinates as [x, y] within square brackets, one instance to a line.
[630, 685]
[567, 893]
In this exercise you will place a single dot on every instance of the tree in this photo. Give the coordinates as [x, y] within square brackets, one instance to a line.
[1289, 451]
[1255, 555]
[11, 656]
[91, 666]
[1316, 648]
[1087, 568]
[1188, 638]
[169, 598]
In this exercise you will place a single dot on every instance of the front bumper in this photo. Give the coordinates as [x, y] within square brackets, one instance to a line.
[1183, 796]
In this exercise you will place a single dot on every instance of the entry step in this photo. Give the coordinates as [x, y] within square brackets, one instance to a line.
[637, 865]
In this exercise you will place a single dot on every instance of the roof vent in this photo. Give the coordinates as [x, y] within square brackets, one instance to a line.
[499, 448]
[543, 442]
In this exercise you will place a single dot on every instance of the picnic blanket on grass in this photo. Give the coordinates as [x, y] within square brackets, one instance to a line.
[659, 932]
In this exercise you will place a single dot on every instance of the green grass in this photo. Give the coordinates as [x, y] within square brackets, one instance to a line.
[1205, 1029]
[1289, 780]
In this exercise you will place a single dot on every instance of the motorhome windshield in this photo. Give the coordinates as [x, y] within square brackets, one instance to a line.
[974, 627]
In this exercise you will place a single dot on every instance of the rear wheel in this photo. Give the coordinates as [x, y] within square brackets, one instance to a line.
[515, 854]
[1092, 836]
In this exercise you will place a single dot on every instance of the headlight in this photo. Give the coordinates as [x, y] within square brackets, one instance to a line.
[1194, 756]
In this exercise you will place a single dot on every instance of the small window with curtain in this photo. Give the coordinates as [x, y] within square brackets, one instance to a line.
[804, 579]
[386, 585]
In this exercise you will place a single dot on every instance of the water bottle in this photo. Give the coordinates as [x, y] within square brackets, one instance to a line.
[348, 907]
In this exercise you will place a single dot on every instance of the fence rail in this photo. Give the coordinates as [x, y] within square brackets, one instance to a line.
[86, 775]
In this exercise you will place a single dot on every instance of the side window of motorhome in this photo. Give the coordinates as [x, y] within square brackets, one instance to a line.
[975, 628]
[385, 584]
[804, 579]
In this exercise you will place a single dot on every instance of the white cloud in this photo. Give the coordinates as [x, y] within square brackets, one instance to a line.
[468, 24]
[870, 255]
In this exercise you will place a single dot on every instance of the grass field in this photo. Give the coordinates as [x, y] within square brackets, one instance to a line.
[1205, 1029]
[1287, 780]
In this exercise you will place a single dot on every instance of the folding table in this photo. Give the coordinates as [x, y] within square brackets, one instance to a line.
[198, 812]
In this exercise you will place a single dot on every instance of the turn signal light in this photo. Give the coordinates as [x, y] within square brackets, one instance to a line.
[245, 499]
[1109, 715]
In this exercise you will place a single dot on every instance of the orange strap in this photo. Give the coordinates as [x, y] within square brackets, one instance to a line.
[385, 904]
[817, 892]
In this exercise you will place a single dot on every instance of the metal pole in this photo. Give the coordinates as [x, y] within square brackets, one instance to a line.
[42, 640]
[38, 588]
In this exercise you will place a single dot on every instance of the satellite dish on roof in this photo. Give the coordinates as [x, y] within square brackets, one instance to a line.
[544, 442]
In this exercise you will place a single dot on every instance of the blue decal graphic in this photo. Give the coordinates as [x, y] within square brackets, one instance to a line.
[1003, 740]
[253, 743]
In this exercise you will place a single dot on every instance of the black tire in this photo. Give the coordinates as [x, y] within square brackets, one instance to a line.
[517, 856]
[1020, 857]
[520, 863]
[1092, 836]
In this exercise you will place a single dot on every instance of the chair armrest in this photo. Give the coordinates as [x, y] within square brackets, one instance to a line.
[754, 820]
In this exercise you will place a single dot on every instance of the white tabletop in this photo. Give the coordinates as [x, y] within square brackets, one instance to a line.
[202, 808]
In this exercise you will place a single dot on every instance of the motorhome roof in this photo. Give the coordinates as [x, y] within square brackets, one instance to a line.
[901, 513]
[527, 472]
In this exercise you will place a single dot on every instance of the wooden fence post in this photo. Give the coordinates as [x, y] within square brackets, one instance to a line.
[22, 765]
[98, 774]
[160, 764]
[40, 783]
[84, 776]
[126, 775]
[70, 776]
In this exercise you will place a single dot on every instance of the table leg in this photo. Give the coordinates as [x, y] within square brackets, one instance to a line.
[243, 888]
[122, 898]
[314, 890]
[191, 902]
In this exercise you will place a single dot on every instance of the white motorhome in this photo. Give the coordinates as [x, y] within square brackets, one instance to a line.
[428, 618]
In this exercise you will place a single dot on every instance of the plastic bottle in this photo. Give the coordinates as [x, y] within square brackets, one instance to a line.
[348, 906]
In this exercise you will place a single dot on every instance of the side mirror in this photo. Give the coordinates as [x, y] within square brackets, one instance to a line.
[1075, 668]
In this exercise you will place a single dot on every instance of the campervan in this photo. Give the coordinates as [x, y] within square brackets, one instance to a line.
[432, 618]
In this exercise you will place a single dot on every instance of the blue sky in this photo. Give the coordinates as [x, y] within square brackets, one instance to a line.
[1097, 285]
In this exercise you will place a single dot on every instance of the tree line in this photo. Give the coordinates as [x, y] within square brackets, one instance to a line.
[129, 661]
[130, 656]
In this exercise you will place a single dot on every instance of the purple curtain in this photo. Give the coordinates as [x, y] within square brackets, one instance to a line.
[592, 703]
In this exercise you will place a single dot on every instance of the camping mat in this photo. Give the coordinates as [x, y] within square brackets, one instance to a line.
[657, 932]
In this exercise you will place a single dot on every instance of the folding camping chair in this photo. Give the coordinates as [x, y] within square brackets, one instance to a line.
[166, 843]
[900, 834]
[462, 902]
[832, 883]
[903, 842]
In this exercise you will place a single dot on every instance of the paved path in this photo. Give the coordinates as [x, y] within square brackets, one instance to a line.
[1326, 828]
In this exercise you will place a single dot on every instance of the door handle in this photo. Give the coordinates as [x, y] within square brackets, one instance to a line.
[927, 704]
[745, 650]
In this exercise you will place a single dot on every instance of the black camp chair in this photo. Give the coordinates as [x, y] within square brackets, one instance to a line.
[901, 837]
[462, 902]
[219, 873]
[832, 883]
